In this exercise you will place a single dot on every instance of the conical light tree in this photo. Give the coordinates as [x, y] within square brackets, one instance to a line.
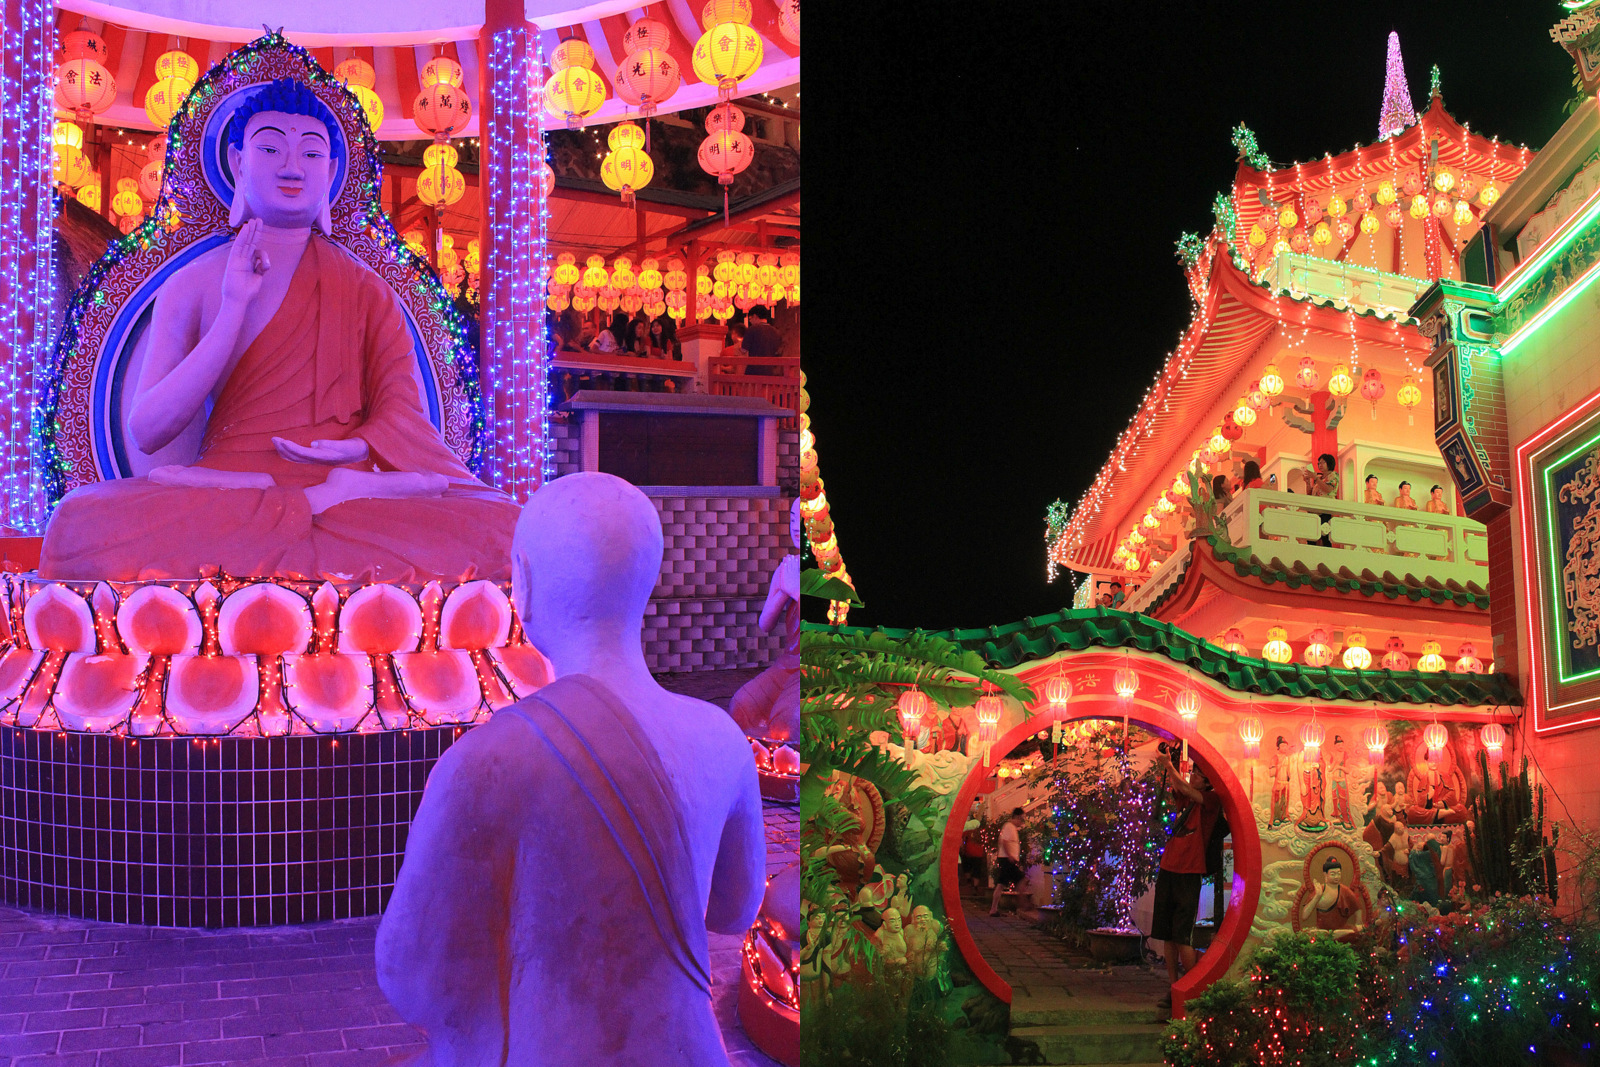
[1397, 112]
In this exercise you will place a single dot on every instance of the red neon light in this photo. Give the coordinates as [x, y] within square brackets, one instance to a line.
[1530, 578]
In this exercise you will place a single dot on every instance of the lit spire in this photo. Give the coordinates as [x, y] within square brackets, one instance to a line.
[1397, 112]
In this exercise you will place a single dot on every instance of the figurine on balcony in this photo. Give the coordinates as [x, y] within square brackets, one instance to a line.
[1403, 498]
[1436, 504]
[1372, 496]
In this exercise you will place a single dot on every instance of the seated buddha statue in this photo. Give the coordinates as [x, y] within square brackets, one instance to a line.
[317, 458]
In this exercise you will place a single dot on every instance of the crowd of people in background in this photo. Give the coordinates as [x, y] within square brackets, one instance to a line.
[748, 335]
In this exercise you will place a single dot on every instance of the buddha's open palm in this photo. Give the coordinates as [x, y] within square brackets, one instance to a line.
[248, 264]
[331, 453]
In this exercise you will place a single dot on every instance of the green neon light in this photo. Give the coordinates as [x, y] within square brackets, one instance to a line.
[1558, 607]
[1530, 269]
[1530, 327]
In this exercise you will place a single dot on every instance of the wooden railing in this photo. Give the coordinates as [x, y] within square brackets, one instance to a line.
[1290, 527]
[612, 370]
[730, 376]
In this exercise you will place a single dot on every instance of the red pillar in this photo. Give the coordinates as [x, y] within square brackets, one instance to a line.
[512, 339]
[27, 225]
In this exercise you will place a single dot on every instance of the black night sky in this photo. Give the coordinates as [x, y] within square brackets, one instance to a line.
[992, 196]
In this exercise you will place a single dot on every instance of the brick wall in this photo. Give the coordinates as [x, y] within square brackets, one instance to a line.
[720, 555]
[565, 436]
[789, 460]
[1503, 594]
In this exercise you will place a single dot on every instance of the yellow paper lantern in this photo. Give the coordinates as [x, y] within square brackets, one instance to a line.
[1444, 181]
[1287, 218]
[441, 186]
[1369, 224]
[569, 54]
[1386, 194]
[162, 100]
[71, 166]
[1322, 236]
[126, 202]
[1464, 215]
[1258, 236]
[1409, 395]
[1271, 381]
[574, 93]
[625, 135]
[68, 133]
[89, 195]
[179, 65]
[1431, 661]
[627, 170]
[1244, 414]
[371, 104]
[649, 274]
[566, 272]
[1357, 656]
[357, 71]
[1340, 383]
[1277, 649]
[716, 11]
[1336, 206]
[1419, 206]
[726, 54]
[1489, 194]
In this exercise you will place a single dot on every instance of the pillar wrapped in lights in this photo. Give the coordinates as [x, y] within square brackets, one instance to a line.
[27, 226]
[514, 232]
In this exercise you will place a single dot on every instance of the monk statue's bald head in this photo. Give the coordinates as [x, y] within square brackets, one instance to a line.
[585, 557]
[280, 147]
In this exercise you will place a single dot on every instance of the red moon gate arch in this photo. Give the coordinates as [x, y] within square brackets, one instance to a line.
[1246, 892]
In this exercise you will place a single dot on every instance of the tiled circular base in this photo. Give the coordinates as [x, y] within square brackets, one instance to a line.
[247, 831]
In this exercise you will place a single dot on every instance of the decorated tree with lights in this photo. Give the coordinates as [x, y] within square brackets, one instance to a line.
[1397, 112]
[1105, 829]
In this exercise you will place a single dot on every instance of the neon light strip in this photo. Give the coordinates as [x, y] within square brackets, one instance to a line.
[1553, 246]
[1571, 293]
[1537, 696]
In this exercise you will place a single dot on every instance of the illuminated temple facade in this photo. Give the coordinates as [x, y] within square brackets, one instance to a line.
[1303, 344]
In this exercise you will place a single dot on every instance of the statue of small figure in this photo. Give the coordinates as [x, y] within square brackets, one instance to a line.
[768, 705]
[570, 854]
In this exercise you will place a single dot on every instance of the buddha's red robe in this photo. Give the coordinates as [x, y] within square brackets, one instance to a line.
[335, 361]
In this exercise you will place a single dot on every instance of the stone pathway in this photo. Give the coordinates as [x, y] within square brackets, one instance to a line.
[83, 994]
[1072, 1008]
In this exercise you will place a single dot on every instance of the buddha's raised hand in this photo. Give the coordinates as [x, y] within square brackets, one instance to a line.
[247, 265]
[332, 453]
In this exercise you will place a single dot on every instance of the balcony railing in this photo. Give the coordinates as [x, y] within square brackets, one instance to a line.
[1291, 526]
[776, 380]
[1359, 287]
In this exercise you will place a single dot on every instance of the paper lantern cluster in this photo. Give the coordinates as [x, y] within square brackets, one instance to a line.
[176, 74]
[359, 77]
[1356, 656]
[627, 168]
[442, 109]
[1327, 228]
[83, 84]
[648, 75]
[575, 91]
[814, 511]
[730, 50]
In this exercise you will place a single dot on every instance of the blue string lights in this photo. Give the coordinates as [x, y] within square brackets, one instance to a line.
[516, 215]
[27, 229]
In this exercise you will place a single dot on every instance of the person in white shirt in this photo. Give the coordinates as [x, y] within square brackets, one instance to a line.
[1008, 871]
[603, 342]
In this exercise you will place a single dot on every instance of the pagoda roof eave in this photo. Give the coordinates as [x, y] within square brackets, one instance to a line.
[1039, 637]
[1235, 317]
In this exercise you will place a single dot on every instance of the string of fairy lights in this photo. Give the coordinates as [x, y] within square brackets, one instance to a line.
[1290, 207]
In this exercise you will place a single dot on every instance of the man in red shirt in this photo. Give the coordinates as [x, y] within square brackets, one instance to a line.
[1183, 865]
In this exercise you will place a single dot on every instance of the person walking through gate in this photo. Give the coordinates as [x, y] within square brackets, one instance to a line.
[1185, 861]
[1008, 868]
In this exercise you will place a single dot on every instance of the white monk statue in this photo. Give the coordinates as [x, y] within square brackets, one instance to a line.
[317, 459]
[569, 855]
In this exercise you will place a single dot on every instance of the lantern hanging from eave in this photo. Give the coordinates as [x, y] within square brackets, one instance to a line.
[89, 194]
[126, 201]
[1435, 737]
[1187, 705]
[71, 166]
[1233, 641]
[150, 180]
[648, 78]
[1318, 652]
[913, 707]
[1057, 692]
[1312, 734]
[1493, 736]
[988, 711]
[1251, 732]
[726, 152]
[789, 20]
[1372, 388]
[1394, 655]
[1409, 396]
[357, 71]
[1357, 657]
[1467, 661]
[176, 73]
[84, 85]
[726, 54]
[574, 93]
[1305, 375]
[440, 183]
[442, 70]
[1271, 383]
[1126, 682]
[442, 109]
[1386, 193]
[1277, 649]
[1340, 382]
[1376, 738]
[1431, 661]
[625, 171]
[1244, 415]
[650, 273]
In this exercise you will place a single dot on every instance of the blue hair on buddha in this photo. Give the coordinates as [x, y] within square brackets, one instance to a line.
[287, 95]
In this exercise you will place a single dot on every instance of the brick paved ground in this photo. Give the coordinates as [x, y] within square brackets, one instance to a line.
[82, 994]
[1037, 965]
